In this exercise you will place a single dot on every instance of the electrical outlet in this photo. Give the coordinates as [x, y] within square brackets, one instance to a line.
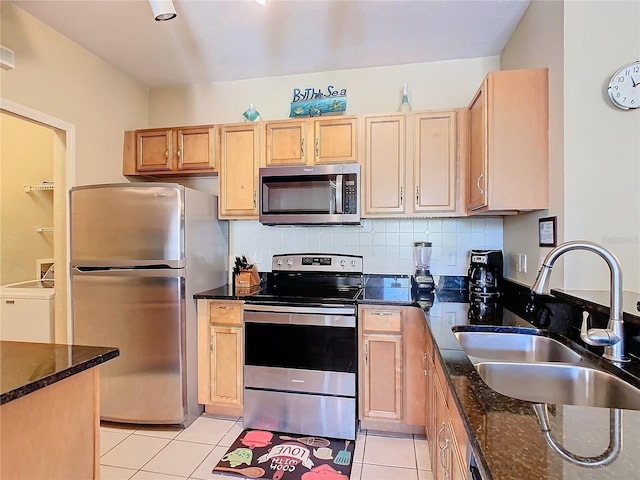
[451, 259]
[521, 262]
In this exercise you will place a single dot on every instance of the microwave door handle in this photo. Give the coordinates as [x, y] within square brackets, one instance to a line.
[339, 194]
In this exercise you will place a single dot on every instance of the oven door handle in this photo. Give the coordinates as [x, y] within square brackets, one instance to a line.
[300, 319]
[337, 310]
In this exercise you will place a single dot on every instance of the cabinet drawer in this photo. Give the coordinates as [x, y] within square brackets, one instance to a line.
[382, 320]
[225, 313]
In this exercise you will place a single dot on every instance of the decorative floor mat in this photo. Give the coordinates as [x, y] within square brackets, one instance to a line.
[283, 456]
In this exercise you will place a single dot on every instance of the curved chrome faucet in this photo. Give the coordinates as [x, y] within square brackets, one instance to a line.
[612, 338]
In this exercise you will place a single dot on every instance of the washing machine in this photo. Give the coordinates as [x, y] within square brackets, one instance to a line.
[27, 311]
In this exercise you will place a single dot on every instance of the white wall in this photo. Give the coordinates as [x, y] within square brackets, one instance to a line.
[538, 43]
[55, 76]
[432, 86]
[385, 244]
[594, 147]
[601, 142]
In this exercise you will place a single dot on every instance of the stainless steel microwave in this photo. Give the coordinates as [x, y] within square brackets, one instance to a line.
[310, 195]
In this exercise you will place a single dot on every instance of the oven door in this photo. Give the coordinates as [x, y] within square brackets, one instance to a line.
[302, 350]
[300, 370]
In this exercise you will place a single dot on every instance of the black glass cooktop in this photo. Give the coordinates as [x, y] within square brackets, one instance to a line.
[292, 287]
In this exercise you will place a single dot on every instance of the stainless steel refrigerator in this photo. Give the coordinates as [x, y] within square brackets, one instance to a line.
[139, 251]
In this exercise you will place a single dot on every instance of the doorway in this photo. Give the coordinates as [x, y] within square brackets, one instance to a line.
[53, 196]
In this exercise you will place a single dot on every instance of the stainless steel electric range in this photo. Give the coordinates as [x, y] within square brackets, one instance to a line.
[301, 347]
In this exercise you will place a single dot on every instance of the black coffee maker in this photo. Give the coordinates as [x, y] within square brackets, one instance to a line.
[485, 278]
[485, 274]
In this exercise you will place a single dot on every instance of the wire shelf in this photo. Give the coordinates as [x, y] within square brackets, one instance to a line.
[38, 187]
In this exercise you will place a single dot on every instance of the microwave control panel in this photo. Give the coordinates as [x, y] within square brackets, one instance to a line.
[350, 196]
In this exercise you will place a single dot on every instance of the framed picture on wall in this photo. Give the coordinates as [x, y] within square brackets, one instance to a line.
[547, 232]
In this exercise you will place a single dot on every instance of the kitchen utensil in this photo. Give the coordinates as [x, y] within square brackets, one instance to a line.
[251, 472]
[343, 457]
[323, 453]
[310, 441]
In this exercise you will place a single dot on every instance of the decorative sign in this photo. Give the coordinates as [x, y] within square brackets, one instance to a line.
[312, 103]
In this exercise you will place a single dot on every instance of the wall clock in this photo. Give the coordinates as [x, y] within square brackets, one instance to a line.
[624, 87]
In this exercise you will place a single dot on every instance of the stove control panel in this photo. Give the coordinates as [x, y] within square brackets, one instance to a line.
[312, 262]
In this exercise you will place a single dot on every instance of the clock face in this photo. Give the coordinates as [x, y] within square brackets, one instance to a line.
[624, 87]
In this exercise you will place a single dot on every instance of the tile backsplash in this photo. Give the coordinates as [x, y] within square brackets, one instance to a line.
[386, 245]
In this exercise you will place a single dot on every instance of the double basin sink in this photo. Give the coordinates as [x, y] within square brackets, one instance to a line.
[527, 365]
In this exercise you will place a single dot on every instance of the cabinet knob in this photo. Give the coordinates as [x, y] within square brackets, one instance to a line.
[317, 148]
[302, 147]
[417, 195]
[166, 153]
[401, 197]
[179, 153]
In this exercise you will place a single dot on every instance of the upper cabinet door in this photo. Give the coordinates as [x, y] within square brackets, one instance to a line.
[435, 158]
[509, 143]
[286, 143]
[477, 187]
[196, 148]
[239, 163]
[384, 160]
[335, 140]
[155, 150]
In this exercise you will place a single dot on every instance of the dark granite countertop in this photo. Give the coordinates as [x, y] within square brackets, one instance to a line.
[377, 289]
[27, 367]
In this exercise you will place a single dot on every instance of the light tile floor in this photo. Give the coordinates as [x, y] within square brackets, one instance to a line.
[168, 453]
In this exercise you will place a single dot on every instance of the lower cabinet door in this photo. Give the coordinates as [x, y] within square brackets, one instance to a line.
[225, 348]
[383, 377]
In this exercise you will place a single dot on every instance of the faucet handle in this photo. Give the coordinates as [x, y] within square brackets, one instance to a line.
[598, 337]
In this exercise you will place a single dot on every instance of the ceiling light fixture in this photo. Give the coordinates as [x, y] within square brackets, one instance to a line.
[262, 2]
[163, 10]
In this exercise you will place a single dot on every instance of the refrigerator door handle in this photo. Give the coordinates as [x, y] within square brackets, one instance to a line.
[129, 272]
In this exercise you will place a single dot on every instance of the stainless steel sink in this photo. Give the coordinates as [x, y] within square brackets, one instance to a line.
[514, 347]
[558, 383]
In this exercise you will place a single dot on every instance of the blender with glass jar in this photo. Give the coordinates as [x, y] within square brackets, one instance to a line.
[422, 281]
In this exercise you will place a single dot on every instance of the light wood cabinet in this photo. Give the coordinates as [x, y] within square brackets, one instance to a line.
[392, 368]
[381, 363]
[239, 165]
[170, 151]
[436, 153]
[448, 443]
[384, 165]
[220, 356]
[311, 141]
[412, 164]
[508, 168]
